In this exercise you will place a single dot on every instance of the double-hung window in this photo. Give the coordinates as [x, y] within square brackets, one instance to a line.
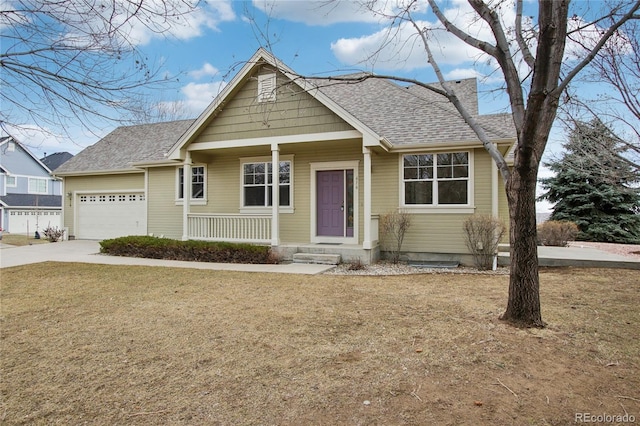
[198, 183]
[37, 186]
[11, 181]
[257, 183]
[436, 179]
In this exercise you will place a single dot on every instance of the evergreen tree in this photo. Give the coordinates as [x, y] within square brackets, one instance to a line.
[594, 188]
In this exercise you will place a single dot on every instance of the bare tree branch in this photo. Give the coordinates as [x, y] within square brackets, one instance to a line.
[66, 62]
[522, 44]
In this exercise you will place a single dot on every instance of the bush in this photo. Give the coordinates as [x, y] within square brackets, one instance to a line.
[557, 233]
[394, 226]
[53, 234]
[483, 233]
[196, 251]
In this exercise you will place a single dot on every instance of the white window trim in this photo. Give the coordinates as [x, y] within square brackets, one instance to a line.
[15, 181]
[192, 201]
[267, 84]
[46, 186]
[266, 209]
[468, 208]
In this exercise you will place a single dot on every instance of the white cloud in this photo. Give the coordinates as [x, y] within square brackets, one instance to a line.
[182, 19]
[317, 12]
[400, 48]
[197, 96]
[206, 70]
[462, 73]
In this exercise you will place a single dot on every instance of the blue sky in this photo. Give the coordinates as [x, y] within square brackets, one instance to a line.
[309, 36]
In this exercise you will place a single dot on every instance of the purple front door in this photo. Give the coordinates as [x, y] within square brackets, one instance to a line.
[330, 208]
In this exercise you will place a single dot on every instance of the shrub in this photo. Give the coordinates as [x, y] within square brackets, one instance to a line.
[53, 234]
[356, 265]
[557, 233]
[197, 251]
[483, 233]
[394, 226]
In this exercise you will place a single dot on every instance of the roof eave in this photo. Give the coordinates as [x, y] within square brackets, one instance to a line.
[156, 163]
[446, 145]
[99, 172]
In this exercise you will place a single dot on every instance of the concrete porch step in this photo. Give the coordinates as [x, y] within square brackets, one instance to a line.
[320, 258]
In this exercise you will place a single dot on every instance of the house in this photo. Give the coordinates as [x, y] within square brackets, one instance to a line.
[346, 153]
[30, 198]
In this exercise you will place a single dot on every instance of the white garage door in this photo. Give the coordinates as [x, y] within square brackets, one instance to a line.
[103, 216]
[28, 221]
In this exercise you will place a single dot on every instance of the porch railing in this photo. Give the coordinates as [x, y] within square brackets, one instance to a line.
[230, 227]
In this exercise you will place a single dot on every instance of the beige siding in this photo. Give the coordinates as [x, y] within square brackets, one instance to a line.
[97, 183]
[294, 112]
[432, 232]
[164, 217]
[429, 232]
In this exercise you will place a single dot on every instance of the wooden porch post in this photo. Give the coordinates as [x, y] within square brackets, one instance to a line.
[186, 195]
[275, 195]
[367, 243]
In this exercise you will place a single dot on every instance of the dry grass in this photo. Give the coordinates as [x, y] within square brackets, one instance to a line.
[104, 344]
[22, 239]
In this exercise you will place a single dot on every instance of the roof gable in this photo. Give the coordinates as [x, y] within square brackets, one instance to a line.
[290, 110]
[260, 59]
[16, 158]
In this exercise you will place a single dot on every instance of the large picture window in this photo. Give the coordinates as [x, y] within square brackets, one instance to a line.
[37, 186]
[198, 179]
[257, 184]
[436, 179]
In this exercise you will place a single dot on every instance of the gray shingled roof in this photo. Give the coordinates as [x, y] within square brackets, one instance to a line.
[55, 160]
[413, 115]
[126, 146]
[402, 115]
[30, 200]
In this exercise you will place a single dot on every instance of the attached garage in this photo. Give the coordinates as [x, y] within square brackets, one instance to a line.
[28, 221]
[101, 216]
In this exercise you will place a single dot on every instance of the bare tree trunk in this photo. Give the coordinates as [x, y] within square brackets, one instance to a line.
[523, 305]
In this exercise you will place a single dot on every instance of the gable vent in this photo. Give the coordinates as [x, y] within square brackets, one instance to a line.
[267, 88]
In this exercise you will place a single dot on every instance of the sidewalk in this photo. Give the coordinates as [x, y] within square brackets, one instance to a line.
[585, 257]
[84, 251]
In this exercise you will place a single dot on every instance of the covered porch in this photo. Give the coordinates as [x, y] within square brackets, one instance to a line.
[340, 184]
[258, 229]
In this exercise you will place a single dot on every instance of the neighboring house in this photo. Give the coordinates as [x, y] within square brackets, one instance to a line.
[30, 198]
[55, 160]
[346, 154]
